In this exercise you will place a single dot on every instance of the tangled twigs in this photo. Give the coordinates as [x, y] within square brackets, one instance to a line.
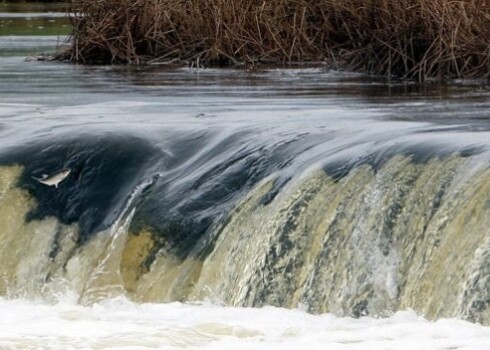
[413, 39]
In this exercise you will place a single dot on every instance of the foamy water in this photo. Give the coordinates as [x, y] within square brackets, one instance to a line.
[121, 324]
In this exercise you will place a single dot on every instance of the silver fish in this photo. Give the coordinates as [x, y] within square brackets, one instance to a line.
[55, 179]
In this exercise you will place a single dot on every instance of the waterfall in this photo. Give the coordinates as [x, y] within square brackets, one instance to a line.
[407, 234]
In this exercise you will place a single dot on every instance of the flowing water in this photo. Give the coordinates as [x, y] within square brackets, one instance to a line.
[219, 208]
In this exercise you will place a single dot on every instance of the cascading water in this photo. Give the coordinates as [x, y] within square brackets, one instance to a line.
[390, 231]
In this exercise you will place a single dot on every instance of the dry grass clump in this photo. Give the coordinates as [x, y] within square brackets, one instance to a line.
[414, 39]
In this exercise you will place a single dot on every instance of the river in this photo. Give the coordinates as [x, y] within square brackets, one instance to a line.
[296, 208]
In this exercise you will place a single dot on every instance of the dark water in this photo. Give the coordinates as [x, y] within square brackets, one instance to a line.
[184, 148]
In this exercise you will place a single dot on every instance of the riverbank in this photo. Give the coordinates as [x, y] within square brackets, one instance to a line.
[419, 39]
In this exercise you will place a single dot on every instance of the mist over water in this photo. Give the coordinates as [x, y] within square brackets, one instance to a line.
[278, 208]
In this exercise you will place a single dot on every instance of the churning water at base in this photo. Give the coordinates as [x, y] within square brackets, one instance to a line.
[120, 324]
[265, 193]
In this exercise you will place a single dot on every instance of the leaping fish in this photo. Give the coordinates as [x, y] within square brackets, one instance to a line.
[55, 179]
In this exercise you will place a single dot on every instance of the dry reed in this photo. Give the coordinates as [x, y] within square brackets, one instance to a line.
[413, 39]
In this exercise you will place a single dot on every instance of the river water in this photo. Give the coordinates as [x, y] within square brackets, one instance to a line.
[298, 208]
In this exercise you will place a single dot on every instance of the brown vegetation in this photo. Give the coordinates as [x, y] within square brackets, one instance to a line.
[413, 39]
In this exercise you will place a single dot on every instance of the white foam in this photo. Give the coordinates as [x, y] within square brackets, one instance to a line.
[121, 324]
